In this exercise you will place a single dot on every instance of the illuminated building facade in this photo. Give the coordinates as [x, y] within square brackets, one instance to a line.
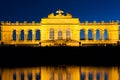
[59, 30]
[60, 73]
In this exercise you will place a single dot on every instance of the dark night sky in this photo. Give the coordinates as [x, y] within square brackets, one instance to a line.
[34, 10]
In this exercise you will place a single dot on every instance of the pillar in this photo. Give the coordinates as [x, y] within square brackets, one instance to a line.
[86, 34]
[94, 34]
[33, 35]
[25, 35]
[33, 75]
[25, 75]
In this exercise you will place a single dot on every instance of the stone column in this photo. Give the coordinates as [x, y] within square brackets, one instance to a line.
[86, 76]
[63, 34]
[94, 76]
[102, 35]
[33, 35]
[25, 35]
[33, 75]
[86, 34]
[102, 75]
[25, 75]
[94, 34]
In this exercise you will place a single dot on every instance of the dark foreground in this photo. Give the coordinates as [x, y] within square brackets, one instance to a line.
[53, 56]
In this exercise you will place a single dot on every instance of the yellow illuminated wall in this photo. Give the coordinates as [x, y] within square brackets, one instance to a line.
[60, 24]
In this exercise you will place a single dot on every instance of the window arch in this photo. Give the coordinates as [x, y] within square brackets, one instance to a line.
[30, 35]
[59, 35]
[22, 35]
[90, 76]
[51, 34]
[105, 76]
[105, 34]
[97, 34]
[30, 76]
[82, 34]
[90, 35]
[38, 76]
[68, 35]
[14, 35]
[22, 76]
[82, 76]
[14, 76]
[98, 76]
[38, 34]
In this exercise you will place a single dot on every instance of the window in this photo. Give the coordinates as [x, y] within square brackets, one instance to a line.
[90, 76]
[14, 76]
[90, 36]
[60, 77]
[82, 34]
[68, 76]
[105, 34]
[14, 35]
[98, 76]
[59, 35]
[22, 35]
[97, 34]
[51, 34]
[30, 35]
[38, 35]
[30, 76]
[68, 34]
[105, 76]
[22, 76]
[38, 76]
[82, 76]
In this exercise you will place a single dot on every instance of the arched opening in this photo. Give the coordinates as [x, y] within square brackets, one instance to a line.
[82, 34]
[38, 35]
[51, 34]
[59, 35]
[29, 76]
[105, 76]
[97, 34]
[14, 76]
[90, 76]
[22, 76]
[68, 34]
[38, 76]
[90, 35]
[105, 34]
[30, 35]
[82, 76]
[14, 35]
[98, 76]
[22, 35]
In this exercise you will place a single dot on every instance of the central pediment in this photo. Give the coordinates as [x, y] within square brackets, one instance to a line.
[60, 18]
